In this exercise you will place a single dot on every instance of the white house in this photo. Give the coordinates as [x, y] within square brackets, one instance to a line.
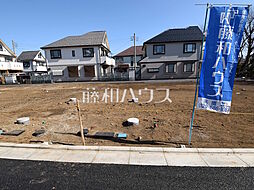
[80, 58]
[9, 67]
[34, 62]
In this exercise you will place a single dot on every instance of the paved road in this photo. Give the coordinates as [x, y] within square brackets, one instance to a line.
[37, 175]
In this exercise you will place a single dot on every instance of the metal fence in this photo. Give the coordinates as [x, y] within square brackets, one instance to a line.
[41, 79]
[117, 76]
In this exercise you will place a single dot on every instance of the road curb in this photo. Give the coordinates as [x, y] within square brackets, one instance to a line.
[132, 149]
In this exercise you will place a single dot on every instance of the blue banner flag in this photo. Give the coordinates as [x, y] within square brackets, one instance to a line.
[224, 36]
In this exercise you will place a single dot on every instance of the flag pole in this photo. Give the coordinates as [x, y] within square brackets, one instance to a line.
[196, 89]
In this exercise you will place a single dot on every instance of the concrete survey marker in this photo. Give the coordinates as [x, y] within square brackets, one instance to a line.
[133, 121]
[74, 100]
[71, 100]
[23, 120]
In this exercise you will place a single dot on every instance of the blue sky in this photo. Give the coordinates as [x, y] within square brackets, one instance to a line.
[35, 23]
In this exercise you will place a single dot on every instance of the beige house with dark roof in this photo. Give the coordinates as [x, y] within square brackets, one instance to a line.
[80, 58]
[174, 53]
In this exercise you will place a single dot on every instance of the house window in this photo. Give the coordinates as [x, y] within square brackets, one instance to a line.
[171, 68]
[55, 54]
[104, 52]
[26, 64]
[1, 47]
[8, 59]
[89, 71]
[57, 72]
[158, 49]
[189, 48]
[39, 55]
[189, 67]
[40, 64]
[119, 59]
[88, 52]
[73, 71]
[153, 70]
[73, 53]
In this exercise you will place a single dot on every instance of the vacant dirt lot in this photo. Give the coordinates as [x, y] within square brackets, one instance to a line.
[46, 107]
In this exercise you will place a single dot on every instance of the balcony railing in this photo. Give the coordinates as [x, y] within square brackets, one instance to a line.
[40, 68]
[17, 66]
[107, 60]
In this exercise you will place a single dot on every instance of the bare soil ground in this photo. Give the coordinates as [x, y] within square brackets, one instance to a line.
[46, 107]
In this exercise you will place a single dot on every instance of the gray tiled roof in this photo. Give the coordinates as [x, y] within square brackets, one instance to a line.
[192, 33]
[27, 55]
[90, 38]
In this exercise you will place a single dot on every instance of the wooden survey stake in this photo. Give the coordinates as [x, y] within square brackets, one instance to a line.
[80, 122]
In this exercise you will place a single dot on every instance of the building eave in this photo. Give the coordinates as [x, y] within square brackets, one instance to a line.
[71, 46]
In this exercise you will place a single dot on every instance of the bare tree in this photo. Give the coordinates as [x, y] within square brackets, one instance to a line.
[246, 55]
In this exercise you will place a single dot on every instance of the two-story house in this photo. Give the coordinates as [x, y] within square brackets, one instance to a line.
[34, 62]
[80, 58]
[9, 67]
[172, 54]
[126, 57]
[125, 62]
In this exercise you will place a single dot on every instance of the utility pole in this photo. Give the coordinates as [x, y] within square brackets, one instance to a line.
[134, 39]
[135, 52]
[13, 47]
[133, 69]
